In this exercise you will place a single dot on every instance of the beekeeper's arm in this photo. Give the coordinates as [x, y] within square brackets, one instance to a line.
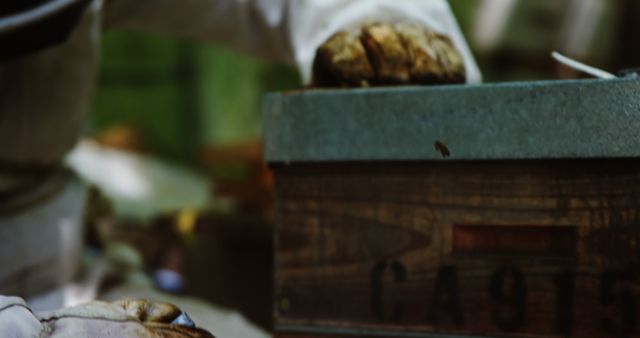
[282, 30]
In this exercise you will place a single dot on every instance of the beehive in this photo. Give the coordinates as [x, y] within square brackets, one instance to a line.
[508, 210]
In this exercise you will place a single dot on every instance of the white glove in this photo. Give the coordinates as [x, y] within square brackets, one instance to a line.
[124, 319]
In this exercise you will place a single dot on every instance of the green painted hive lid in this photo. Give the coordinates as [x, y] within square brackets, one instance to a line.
[529, 120]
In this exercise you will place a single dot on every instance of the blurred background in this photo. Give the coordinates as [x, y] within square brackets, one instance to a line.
[196, 108]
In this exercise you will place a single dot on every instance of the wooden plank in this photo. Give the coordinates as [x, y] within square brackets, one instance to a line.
[402, 247]
[520, 240]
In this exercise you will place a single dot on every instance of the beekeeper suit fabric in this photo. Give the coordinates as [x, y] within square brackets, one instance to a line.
[127, 318]
[279, 29]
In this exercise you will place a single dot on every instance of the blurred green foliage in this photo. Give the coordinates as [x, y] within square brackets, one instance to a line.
[532, 32]
[464, 11]
[182, 95]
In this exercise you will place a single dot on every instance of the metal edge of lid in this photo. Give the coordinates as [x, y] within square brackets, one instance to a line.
[569, 119]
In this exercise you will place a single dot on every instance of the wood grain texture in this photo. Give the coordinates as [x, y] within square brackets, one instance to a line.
[433, 247]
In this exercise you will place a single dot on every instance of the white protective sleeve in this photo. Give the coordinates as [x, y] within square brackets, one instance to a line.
[280, 30]
[16, 320]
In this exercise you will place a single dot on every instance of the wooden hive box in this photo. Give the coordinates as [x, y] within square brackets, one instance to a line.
[508, 210]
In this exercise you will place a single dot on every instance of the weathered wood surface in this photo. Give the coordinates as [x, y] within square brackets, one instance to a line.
[487, 248]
